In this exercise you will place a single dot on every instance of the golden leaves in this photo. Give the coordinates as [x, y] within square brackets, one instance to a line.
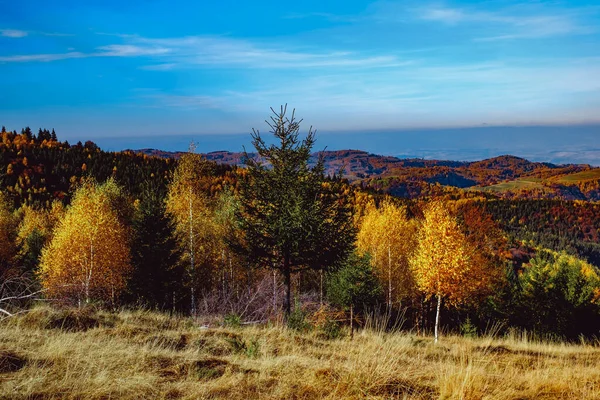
[445, 262]
[7, 226]
[389, 236]
[88, 255]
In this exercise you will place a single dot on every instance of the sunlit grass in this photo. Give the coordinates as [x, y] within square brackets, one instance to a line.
[140, 354]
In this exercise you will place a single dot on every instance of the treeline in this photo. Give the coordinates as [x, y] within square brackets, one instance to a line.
[570, 226]
[194, 237]
[37, 169]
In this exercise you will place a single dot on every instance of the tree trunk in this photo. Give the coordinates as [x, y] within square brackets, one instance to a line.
[193, 309]
[192, 266]
[224, 272]
[89, 275]
[287, 276]
[321, 288]
[351, 321]
[437, 317]
[274, 291]
[389, 278]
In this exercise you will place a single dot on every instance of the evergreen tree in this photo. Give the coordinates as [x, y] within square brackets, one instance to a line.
[292, 217]
[354, 285]
[157, 272]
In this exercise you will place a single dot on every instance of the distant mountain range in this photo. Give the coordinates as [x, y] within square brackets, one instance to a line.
[503, 176]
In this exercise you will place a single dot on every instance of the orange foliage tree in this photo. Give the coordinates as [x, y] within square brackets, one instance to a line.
[446, 264]
[88, 256]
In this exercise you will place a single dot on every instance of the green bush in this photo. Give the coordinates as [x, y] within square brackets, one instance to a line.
[250, 349]
[331, 330]
[297, 319]
[467, 328]
[232, 321]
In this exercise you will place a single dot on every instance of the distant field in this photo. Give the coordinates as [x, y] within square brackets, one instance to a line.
[130, 355]
[584, 176]
[527, 183]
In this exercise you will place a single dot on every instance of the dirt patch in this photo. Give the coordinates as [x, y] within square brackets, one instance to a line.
[210, 368]
[78, 320]
[67, 319]
[174, 368]
[503, 350]
[403, 388]
[11, 361]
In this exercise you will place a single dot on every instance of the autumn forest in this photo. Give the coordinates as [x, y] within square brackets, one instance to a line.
[284, 235]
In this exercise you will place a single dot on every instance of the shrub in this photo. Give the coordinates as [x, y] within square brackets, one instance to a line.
[330, 330]
[297, 320]
[468, 329]
[232, 320]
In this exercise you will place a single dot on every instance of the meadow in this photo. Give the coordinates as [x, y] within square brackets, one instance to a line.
[86, 354]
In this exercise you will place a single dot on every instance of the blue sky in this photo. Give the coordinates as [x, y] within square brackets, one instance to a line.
[105, 69]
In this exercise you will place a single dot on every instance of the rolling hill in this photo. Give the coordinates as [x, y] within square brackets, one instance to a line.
[504, 176]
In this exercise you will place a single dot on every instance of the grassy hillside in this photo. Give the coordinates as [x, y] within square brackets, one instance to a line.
[518, 184]
[135, 354]
[584, 176]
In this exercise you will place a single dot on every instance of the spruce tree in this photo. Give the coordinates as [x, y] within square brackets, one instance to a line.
[292, 216]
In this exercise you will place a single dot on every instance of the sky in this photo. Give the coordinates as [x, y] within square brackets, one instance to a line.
[392, 76]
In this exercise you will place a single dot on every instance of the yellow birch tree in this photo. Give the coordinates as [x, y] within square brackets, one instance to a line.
[446, 264]
[195, 224]
[389, 236]
[7, 231]
[88, 256]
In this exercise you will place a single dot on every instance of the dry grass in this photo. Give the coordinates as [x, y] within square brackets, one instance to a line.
[74, 355]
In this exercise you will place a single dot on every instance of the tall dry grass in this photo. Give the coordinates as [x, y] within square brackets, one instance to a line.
[139, 354]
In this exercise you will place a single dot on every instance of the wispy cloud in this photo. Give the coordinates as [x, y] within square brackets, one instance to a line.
[127, 50]
[13, 33]
[17, 33]
[222, 51]
[157, 99]
[216, 50]
[40, 57]
[514, 23]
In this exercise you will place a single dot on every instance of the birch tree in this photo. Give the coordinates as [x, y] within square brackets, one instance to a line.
[7, 233]
[389, 236]
[88, 256]
[446, 264]
[194, 218]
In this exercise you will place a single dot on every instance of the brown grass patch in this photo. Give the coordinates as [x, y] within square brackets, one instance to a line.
[140, 354]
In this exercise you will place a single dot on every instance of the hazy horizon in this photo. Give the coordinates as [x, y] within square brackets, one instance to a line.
[564, 144]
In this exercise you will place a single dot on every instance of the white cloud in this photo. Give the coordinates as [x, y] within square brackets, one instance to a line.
[220, 51]
[40, 57]
[515, 23]
[13, 33]
[125, 50]
[443, 14]
[214, 50]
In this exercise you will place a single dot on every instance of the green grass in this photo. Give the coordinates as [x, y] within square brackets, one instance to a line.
[139, 354]
[584, 176]
[516, 185]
